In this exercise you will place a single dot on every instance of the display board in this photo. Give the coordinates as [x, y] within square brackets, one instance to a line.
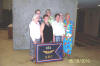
[49, 52]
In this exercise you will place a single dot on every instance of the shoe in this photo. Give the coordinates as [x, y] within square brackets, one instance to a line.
[32, 59]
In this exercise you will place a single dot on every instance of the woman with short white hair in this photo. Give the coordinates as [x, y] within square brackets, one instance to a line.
[34, 27]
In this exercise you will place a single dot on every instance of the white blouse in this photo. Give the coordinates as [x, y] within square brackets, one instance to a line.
[34, 30]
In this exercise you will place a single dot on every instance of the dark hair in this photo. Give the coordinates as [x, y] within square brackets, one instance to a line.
[37, 10]
[45, 16]
[57, 15]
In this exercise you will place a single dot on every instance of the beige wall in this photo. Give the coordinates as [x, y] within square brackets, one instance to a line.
[91, 23]
[7, 4]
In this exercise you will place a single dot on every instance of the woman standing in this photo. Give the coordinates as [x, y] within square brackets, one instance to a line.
[51, 19]
[34, 27]
[67, 42]
[46, 30]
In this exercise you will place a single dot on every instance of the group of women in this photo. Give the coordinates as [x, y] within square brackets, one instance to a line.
[46, 29]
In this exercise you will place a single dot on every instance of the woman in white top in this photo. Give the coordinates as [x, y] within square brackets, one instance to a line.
[58, 29]
[34, 27]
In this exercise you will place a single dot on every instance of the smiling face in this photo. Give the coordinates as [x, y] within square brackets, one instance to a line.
[57, 18]
[67, 17]
[36, 18]
[46, 18]
[38, 13]
[61, 17]
[48, 12]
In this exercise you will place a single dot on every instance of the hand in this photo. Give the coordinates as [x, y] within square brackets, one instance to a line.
[42, 41]
[35, 42]
[69, 35]
[53, 39]
[62, 38]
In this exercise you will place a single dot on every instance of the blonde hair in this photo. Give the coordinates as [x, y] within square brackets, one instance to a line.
[67, 14]
[48, 10]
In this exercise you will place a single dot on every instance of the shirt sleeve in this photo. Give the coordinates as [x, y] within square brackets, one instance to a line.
[31, 27]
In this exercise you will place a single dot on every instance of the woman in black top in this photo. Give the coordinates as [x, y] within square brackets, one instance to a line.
[46, 30]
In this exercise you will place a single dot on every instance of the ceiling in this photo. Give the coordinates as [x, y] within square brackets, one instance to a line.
[88, 3]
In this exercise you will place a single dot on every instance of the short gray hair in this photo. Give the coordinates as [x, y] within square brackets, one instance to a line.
[34, 17]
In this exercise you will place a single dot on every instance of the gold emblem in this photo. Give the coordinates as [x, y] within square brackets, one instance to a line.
[48, 52]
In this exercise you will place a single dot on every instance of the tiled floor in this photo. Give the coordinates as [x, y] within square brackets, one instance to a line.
[81, 56]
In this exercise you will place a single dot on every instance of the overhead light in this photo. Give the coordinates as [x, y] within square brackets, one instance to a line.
[98, 5]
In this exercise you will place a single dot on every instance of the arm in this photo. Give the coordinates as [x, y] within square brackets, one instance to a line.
[63, 31]
[53, 32]
[53, 38]
[41, 32]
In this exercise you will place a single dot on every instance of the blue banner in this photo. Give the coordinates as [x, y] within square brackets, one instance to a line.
[49, 52]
